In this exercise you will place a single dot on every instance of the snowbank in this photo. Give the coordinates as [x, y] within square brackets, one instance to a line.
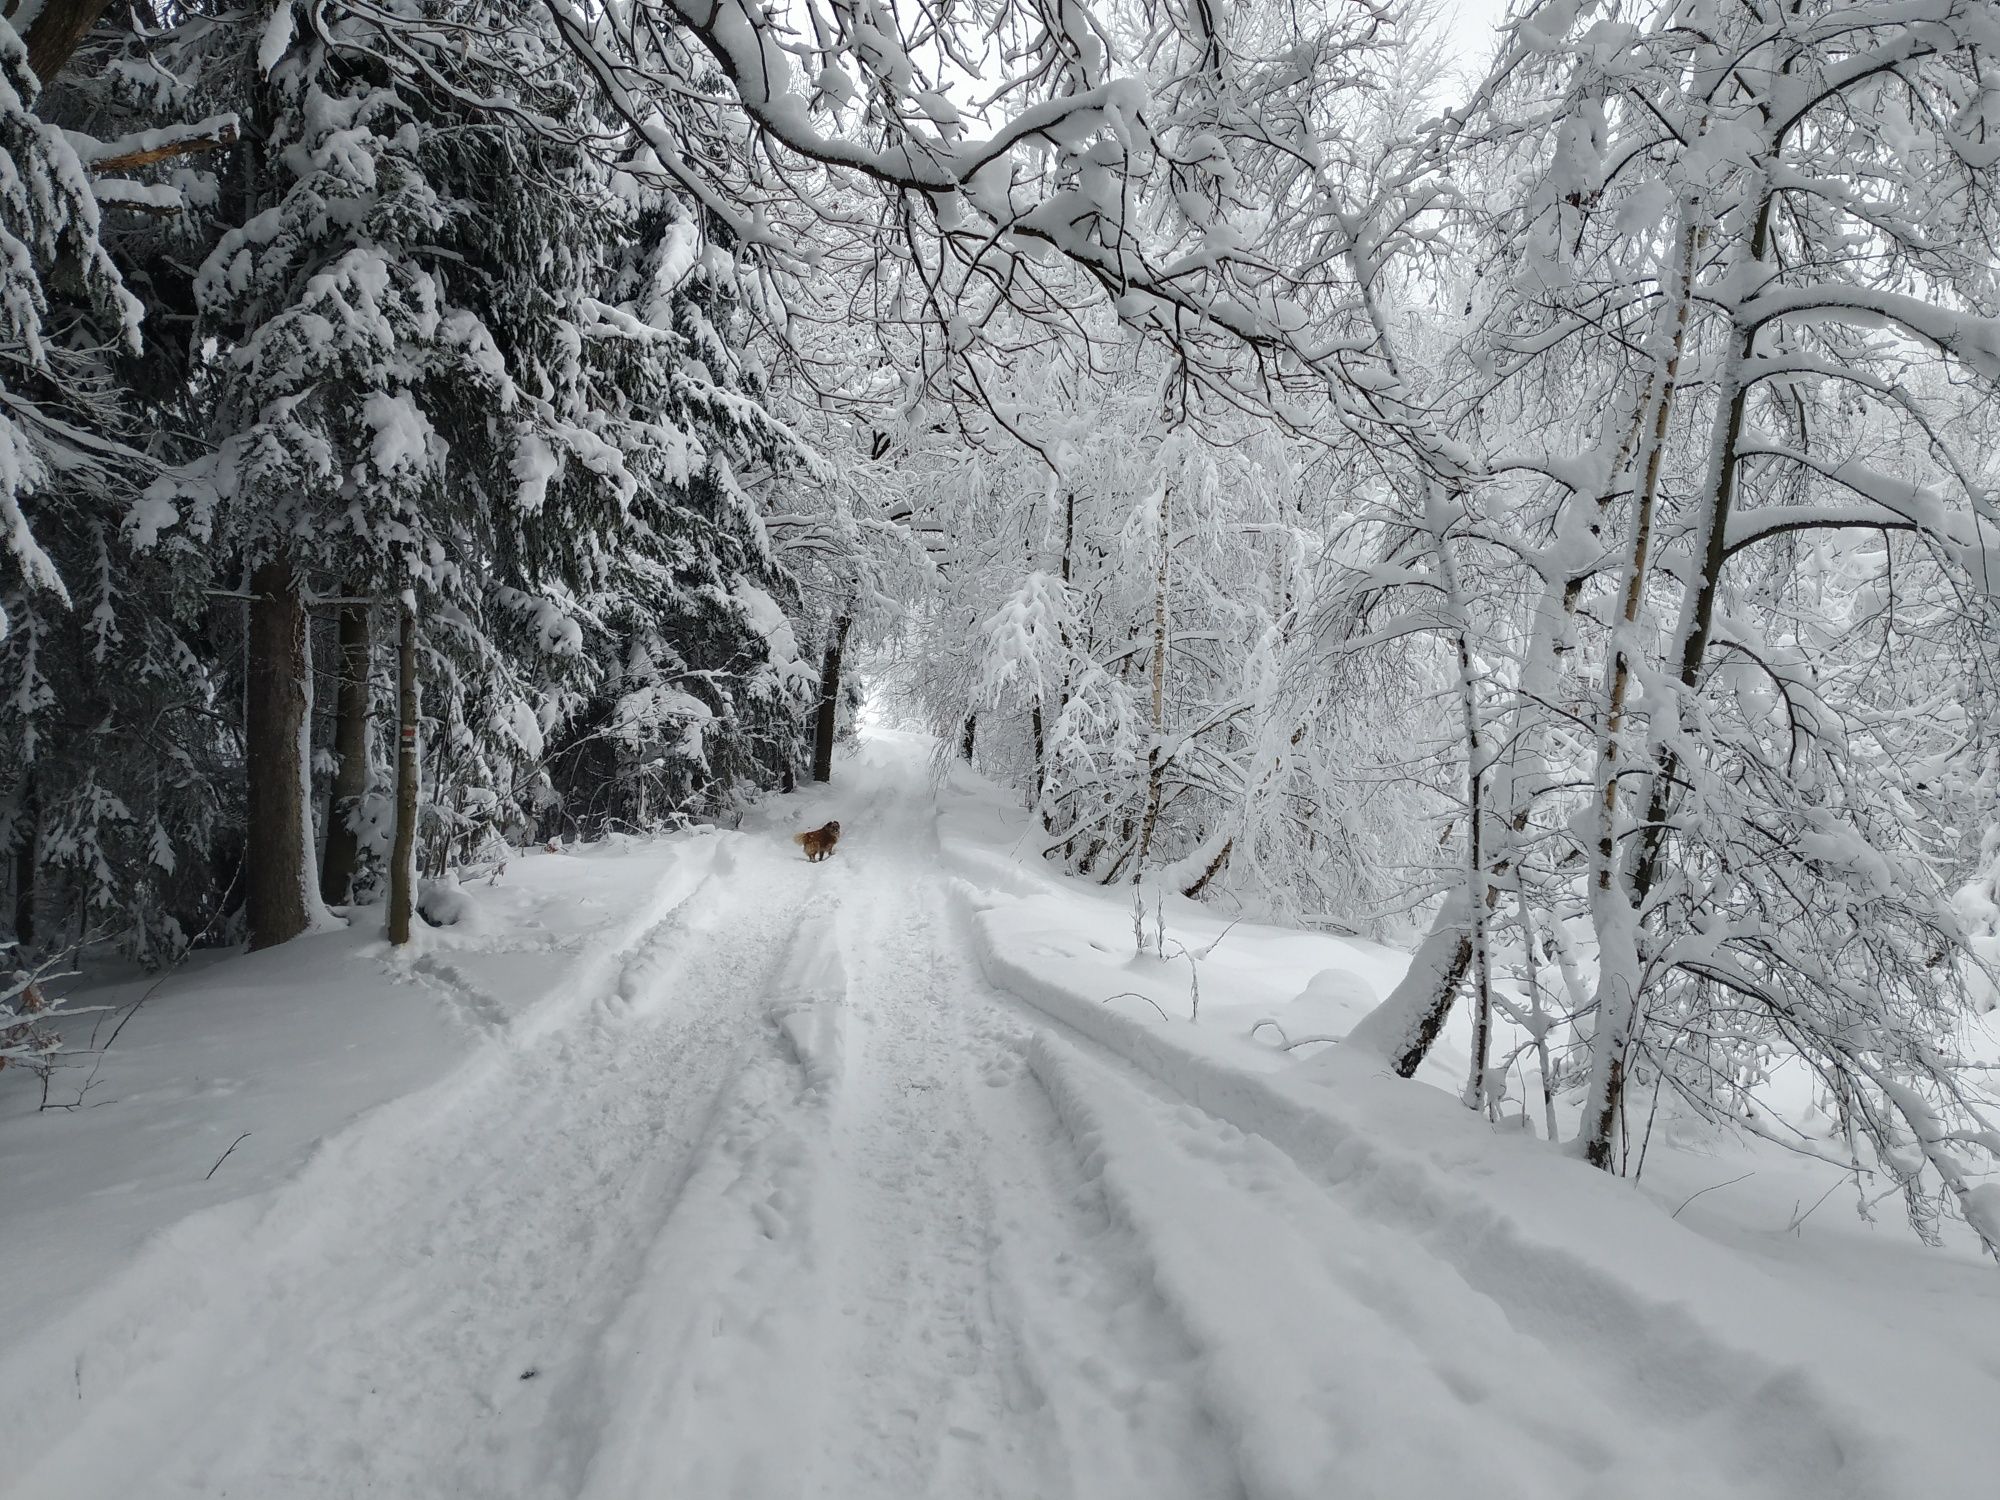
[241, 1083]
[1802, 1388]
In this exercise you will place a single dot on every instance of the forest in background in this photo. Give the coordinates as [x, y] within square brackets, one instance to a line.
[1559, 524]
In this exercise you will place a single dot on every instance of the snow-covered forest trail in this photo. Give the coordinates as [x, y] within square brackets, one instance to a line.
[791, 1201]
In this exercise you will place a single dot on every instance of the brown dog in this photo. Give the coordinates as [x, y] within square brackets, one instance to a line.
[818, 842]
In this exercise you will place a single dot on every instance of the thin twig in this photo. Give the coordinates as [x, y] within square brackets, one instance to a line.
[1799, 1219]
[225, 1155]
[1709, 1189]
[134, 1010]
[1135, 995]
[1310, 1041]
[1218, 939]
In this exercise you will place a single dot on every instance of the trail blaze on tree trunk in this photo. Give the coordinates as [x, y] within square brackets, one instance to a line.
[350, 748]
[278, 855]
[828, 721]
[403, 857]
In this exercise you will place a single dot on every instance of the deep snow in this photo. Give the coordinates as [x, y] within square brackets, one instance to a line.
[685, 1168]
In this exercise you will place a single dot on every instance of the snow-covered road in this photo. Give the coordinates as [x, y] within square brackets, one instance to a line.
[786, 1200]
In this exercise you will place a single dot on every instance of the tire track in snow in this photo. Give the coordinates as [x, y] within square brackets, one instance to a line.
[885, 1279]
[1341, 1354]
[694, 1385]
[1112, 1366]
[930, 1401]
[419, 1318]
[786, 1200]
[1500, 1308]
[984, 1333]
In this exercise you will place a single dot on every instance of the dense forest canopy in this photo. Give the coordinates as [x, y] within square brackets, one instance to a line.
[1552, 519]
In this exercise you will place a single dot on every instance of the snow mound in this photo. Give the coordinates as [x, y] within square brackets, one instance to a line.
[446, 903]
[1332, 1001]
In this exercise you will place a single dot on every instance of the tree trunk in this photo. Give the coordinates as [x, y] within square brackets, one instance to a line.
[1048, 810]
[829, 700]
[1215, 867]
[1483, 894]
[1156, 766]
[58, 31]
[1402, 1028]
[27, 865]
[350, 748]
[403, 857]
[1620, 883]
[1711, 536]
[1440, 508]
[1069, 541]
[278, 843]
[1040, 733]
[966, 734]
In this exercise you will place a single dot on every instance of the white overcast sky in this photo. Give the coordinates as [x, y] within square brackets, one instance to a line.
[1471, 23]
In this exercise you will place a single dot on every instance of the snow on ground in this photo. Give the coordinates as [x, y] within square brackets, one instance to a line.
[688, 1169]
[1823, 1357]
[266, 1054]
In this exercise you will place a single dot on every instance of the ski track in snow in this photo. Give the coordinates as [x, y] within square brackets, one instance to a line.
[794, 1203]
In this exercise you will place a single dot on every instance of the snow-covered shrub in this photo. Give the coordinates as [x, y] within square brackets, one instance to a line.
[29, 1017]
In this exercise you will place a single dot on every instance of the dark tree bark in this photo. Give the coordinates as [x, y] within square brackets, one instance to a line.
[1156, 765]
[350, 748]
[58, 31]
[966, 735]
[1049, 816]
[1038, 730]
[278, 841]
[1215, 867]
[829, 700]
[1406, 1023]
[1430, 1021]
[403, 858]
[27, 863]
[1615, 1027]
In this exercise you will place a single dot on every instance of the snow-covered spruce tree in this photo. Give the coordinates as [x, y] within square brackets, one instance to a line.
[122, 806]
[695, 685]
[469, 371]
[109, 731]
[333, 353]
[51, 225]
[451, 357]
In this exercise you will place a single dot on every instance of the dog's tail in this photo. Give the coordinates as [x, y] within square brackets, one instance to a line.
[802, 839]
